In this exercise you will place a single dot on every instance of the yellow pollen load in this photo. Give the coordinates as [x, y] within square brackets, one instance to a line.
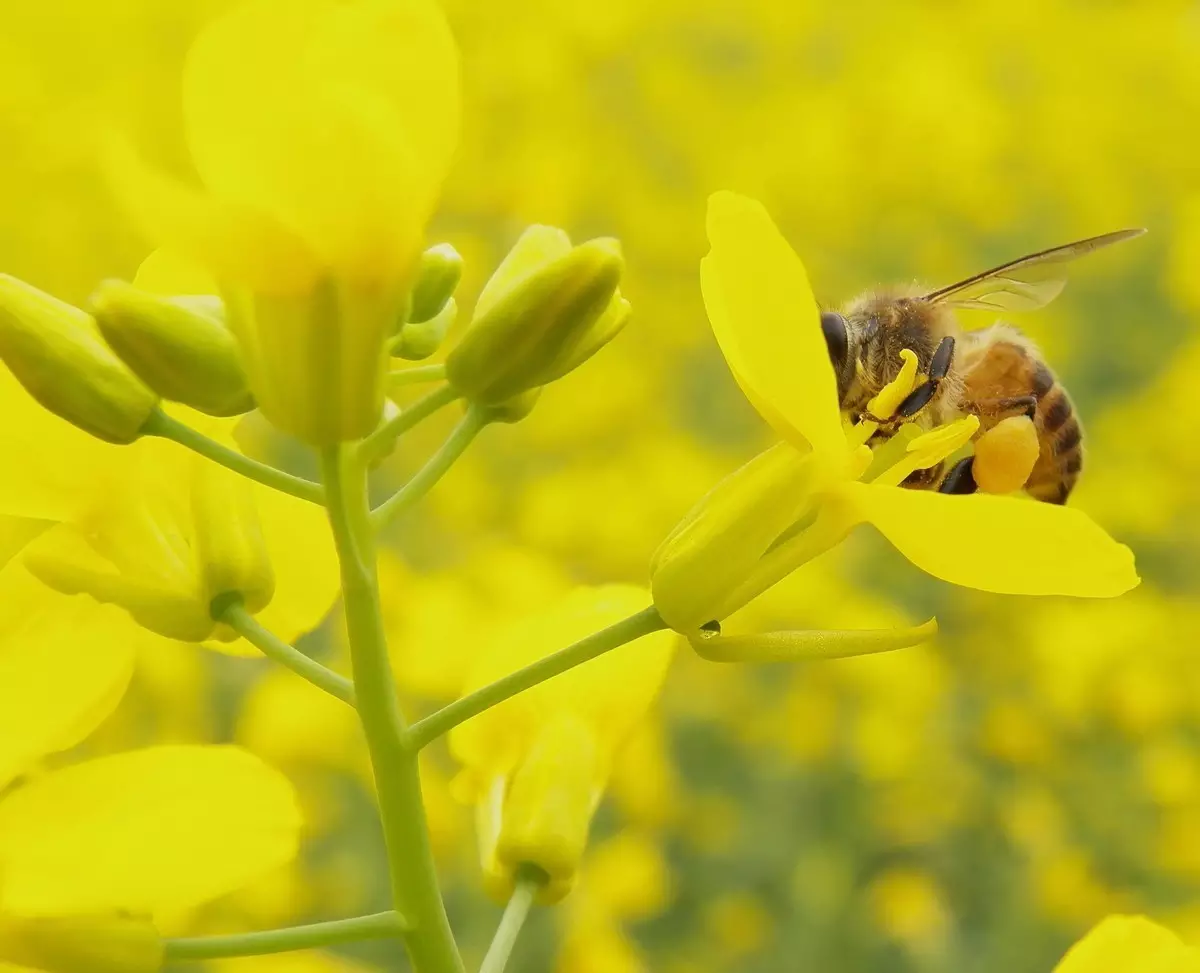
[1005, 455]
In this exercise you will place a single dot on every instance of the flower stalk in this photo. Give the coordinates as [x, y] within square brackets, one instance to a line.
[415, 891]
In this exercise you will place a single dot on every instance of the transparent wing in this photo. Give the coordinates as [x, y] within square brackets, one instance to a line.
[1025, 284]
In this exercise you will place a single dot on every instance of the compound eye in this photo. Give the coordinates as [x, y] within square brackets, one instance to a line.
[833, 325]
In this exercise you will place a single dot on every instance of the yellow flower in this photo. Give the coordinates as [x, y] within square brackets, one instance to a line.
[536, 765]
[322, 132]
[804, 495]
[90, 852]
[1130, 944]
[157, 530]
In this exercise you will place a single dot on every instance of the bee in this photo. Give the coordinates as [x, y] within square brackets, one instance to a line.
[992, 373]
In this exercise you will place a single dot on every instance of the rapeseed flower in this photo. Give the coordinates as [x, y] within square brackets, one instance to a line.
[92, 852]
[322, 132]
[805, 494]
[536, 765]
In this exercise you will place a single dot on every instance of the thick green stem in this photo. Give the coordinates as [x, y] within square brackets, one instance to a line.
[415, 890]
[382, 925]
[273, 647]
[164, 426]
[634, 627]
[424, 479]
[515, 914]
[380, 441]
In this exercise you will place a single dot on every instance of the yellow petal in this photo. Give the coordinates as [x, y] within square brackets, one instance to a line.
[1003, 544]
[766, 320]
[51, 468]
[1129, 944]
[167, 273]
[338, 120]
[232, 241]
[791, 646]
[64, 666]
[152, 830]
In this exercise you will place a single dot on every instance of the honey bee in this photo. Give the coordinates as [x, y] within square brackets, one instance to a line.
[992, 373]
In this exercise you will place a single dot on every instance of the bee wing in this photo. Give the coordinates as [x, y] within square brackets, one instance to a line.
[1025, 284]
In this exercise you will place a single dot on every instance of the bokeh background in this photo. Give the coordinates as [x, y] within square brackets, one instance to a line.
[972, 805]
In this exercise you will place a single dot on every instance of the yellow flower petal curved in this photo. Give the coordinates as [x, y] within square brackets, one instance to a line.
[765, 317]
[64, 666]
[1005, 545]
[152, 830]
[1130, 944]
[337, 120]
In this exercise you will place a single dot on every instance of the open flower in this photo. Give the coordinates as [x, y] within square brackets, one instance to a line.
[1130, 944]
[93, 851]
[322, 132]
[805, 494]
[536, 765]
[157, 530]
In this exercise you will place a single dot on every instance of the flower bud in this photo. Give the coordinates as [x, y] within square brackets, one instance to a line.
[544, 311]
[420, 339]
[1005, 455]
[230, 549]
[543, 813]
[438, 275]
[55, 351]
[537, 764]
[81, 944]
[179, 346]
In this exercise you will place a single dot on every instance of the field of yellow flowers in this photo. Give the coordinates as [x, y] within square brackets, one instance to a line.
[974, 802]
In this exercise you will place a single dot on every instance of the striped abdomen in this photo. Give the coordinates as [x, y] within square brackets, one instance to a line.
[1061, 458]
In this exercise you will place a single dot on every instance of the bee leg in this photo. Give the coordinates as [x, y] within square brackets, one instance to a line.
[939, 368]
[960, 479]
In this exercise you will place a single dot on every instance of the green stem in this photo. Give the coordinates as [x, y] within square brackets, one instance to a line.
[634, 627]
[273, 647]
[515, 914]
[379, 442]
[424, 479]
[382, 925]
[416, 374]
[166, 427]
[415, 891]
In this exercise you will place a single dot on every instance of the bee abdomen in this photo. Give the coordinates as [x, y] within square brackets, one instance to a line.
[1061, 458]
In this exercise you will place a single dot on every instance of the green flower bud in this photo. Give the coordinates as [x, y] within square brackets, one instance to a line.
[418, 340]
[179, 346]
[56, 352]
[82, 944]
[437, 276]
[545, 310]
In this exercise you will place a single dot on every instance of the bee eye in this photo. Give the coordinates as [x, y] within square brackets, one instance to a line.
[834, 327]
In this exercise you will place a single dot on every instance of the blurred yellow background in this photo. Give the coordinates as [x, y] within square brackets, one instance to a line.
[975, 804]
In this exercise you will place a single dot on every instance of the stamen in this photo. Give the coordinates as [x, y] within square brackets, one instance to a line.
[929, 449]
[885, 404]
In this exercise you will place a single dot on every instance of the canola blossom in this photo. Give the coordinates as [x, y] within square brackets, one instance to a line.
[468, 694]
[322, 132]
[804, 495]
[92, 850]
